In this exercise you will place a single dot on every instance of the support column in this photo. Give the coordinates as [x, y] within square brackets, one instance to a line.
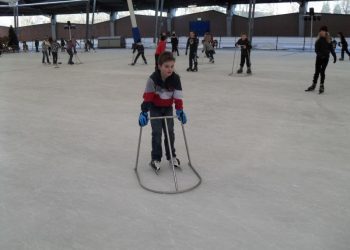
[112, 19]
[302, 12]
[171, 15]
[87, 35]
[229, 15]
[53, 27]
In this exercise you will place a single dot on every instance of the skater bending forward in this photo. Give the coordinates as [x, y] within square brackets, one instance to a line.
[323, 47]
[245, 45]
[163, 89]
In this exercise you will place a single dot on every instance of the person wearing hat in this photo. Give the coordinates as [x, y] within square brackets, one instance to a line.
[323, 47]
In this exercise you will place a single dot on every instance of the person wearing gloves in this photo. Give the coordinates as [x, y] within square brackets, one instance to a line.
[163, 89]
[323, 47]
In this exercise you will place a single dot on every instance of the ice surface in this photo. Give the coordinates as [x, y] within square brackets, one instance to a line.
[274, 159]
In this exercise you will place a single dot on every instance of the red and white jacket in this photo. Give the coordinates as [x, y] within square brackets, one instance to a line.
[161, 93]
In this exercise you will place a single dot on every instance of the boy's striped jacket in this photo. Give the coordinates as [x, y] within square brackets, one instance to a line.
[161, 93]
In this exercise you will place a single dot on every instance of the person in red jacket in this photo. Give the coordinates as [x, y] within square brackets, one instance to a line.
[161, 46]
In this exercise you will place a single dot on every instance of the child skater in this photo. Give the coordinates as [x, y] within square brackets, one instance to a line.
[163, 88]
[161, 46]
[323, 47]
[140, 51]
[192, 43]
[208, 47]
[55, 47]
[245, 45]
[344, 46]
[174, 43]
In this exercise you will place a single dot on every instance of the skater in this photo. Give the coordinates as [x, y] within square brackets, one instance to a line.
[70, 52]
[49, 48]
[174, 43]
[36, 42]
[208, 47]
[140, 52]
[192, 43]
[160, 49]
[55, 46]
[323, 47]
[162, 90]
[344, 46]
[246, 47]
[63, 44]
[44, 48]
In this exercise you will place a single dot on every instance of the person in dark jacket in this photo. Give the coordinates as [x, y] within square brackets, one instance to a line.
[63, 44]
[36, 45]
[344, 46]
[140, 52]
[192, 44]
[246, 47]
[323, 47]
[174, 44]
[163, 89]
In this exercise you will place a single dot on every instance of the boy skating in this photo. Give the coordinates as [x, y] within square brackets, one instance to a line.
[140, 52]
[174, 44]
[163, 88]
[192, 44]
[344, 46]
[246, 47]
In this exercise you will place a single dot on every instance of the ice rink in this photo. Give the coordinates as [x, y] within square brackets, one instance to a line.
[275, 161]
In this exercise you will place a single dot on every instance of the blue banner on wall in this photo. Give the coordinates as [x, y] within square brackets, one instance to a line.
[200, 27]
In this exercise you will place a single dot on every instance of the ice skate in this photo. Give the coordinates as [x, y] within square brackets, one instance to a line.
[249, 71]
[240, 71]
[189, 69]
[175, 161]
[155, 165]
[321, 90]
[311, 88]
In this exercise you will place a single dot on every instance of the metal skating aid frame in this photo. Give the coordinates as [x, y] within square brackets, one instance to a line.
[177, 190]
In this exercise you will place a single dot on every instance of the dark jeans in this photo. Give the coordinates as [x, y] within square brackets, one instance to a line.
[245, 57]
[175, 49]
[320, 68]
[36, 48]
[70, 53]
[210, 54]
[193, 59]
[140, 54]
[344, 49]
[158, 126]
[46, 55]
[54, 57]
[156, 61]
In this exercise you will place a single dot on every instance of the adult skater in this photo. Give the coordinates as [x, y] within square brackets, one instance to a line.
[44, 49]
[55, 46]
[192, 44]
[246, 47]
[323, 47]
[161, 46]
[69, 49]
[140, 52]
[174, 43]
[344, 46]
[163, 88]
[208, 47]
[36, 43]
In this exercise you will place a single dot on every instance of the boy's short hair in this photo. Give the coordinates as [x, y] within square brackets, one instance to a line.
[166, 56]
[243, 34]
